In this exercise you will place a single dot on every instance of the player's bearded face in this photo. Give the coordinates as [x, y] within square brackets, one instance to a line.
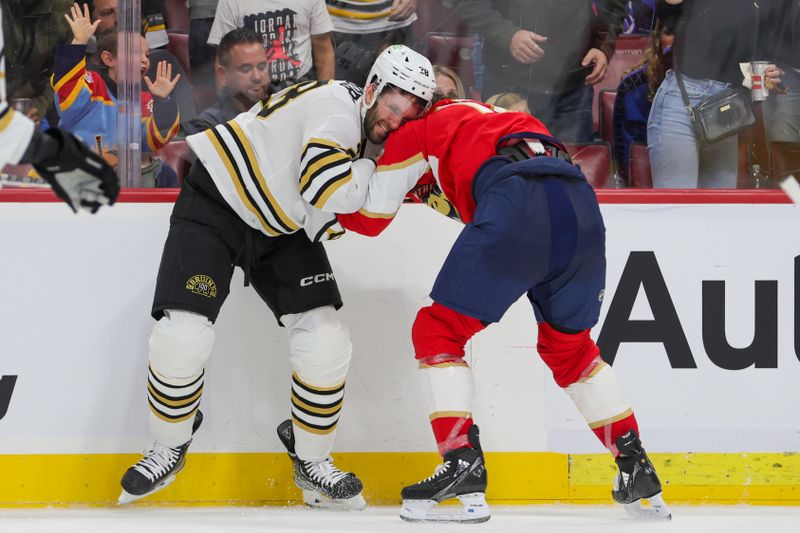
[391, 111]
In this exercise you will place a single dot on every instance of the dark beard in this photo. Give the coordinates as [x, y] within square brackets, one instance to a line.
[369, 124]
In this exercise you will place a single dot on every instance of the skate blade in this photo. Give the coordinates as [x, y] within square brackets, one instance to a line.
[126, 497]
[475, 510]
[315, 499]
[658, 509]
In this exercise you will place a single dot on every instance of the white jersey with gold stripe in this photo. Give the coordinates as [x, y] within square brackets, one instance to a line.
[291, 162]
[16, 129]
[364, 16]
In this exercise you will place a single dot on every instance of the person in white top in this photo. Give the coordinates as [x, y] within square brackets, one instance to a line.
[363, 28]
[265, 190]
[78, 176]
[296, 34]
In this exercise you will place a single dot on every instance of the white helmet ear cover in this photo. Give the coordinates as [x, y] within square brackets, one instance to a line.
[402, 67]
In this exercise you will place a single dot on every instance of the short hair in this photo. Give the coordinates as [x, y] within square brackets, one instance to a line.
[506, 100]
[107, 41]
[231, 39]
[441, 70]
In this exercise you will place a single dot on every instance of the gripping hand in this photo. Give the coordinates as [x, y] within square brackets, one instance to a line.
[78, 176]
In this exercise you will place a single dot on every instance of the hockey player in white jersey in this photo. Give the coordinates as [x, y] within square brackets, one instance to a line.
[77, 175]
[263, 194]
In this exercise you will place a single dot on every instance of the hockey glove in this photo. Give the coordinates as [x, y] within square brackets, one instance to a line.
[78, 176]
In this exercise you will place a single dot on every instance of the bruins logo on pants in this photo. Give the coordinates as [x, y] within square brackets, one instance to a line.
[202, 285]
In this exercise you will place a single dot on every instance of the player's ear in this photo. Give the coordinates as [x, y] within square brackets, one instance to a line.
[369, 94]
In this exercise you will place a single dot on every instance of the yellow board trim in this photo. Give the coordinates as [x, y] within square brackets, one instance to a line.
[516, 477]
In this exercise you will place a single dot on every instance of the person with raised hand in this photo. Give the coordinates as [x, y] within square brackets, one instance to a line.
[87, 100]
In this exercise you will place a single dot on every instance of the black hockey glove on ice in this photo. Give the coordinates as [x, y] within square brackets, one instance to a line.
[78, 176]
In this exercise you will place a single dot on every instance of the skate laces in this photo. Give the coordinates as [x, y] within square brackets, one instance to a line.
[439, 469]
[324, 471]
[157, 461]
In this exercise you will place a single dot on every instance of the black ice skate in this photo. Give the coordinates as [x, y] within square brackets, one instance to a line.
[637, 480]
[323, 484]
[156, 469]
[462, 475]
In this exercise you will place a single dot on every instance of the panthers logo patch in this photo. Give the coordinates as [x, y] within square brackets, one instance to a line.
[202, 285]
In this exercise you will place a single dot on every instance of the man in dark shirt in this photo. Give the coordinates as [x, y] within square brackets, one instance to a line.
[243, 67]
[551, 52]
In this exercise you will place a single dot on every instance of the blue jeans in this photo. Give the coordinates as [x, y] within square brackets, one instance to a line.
[782, 111]
[677, 158]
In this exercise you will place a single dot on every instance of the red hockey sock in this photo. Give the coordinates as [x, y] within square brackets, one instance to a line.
[608, 433]
[451, 432]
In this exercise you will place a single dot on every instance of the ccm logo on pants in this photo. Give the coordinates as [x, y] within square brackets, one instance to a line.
[319, 278]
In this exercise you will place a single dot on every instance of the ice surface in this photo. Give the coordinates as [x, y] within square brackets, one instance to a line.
[505, 519]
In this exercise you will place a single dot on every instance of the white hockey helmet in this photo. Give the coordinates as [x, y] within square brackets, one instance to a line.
[402, 67]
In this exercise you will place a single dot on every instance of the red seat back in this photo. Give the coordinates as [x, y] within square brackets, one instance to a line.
[784, 160]
[595, 162]
[628, 53]
[176, 14]
[455, 52]
[639, 173]
[178, 46]
[607, 99]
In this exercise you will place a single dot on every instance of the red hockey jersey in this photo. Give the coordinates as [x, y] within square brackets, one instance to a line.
[434, 159]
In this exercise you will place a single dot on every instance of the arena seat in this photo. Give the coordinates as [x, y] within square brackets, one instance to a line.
[595, 162]
[178, 46]
[784, 160]
[607, 99]
[176, 14]
[628, 53]
[454, 51]
[435, 17]
[176, 154]
[639, 173]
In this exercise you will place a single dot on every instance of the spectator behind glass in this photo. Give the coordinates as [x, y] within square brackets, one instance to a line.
[363, 28]
[711, 38]
[635, 96]
[201, 54]
[448, 83]
[295, 33]
[87, 101]
[782, 107]
[32, 29]
[105, 11]
[243, 67]
[552, 52]
[509, 101]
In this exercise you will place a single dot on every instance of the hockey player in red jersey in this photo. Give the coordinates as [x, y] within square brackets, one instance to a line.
[533, 227]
